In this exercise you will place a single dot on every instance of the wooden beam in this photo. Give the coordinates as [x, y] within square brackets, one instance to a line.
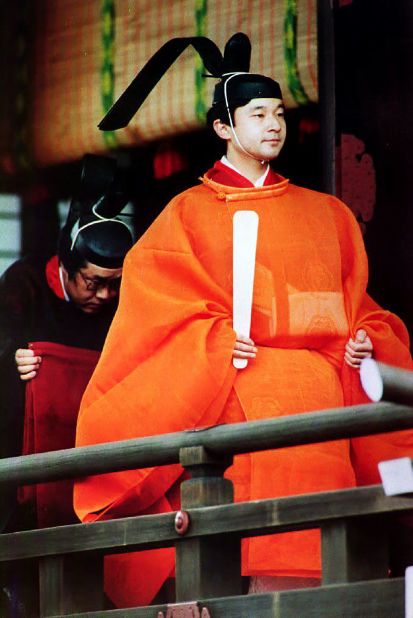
[240, 519]
[308, 428]
[354, 550]
[206, 566]
[375, 599]
[70, 584]
[381, 381]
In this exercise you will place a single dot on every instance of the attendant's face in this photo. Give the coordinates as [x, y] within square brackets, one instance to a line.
[92, 287]
[260, 128]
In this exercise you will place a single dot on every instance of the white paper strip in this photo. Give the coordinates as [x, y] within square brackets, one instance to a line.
[408, 592]
[371, 379]
[396, 476]
[245, 231]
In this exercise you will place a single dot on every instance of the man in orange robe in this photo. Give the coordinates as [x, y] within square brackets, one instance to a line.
[167, 362]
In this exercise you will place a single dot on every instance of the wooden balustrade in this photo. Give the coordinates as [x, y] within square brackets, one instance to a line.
[355, 524]
[308, 428]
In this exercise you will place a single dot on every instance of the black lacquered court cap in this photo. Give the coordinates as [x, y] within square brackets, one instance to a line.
[95, 227]
[246, 86]
[103, 243]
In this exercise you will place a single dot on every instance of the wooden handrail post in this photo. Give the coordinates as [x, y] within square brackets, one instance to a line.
[209, 566]
[69, 584]
[355, 550]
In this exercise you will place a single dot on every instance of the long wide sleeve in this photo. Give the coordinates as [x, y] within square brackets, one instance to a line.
[166, 365]
[388, 333]
[390, 340]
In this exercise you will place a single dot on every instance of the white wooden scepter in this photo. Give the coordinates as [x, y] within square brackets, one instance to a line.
[245, 231]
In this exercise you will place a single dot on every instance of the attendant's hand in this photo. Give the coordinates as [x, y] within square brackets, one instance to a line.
[357, 349]
[244, 348]
[27, 363]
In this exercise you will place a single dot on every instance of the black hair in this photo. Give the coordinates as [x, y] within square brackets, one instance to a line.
[219, 111]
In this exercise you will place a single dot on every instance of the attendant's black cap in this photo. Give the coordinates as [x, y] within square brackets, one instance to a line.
[232, 68]
[95, 230]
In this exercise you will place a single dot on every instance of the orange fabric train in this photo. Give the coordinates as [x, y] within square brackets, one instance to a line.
[167, 362]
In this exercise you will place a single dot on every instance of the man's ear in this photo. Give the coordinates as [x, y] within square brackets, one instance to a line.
[221, 129]
[65, 274]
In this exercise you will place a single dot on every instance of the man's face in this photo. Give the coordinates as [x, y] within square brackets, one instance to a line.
[92, 287]
[261, 129]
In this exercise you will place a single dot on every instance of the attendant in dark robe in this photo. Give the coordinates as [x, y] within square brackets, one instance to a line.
[54, 317]
[68, 300]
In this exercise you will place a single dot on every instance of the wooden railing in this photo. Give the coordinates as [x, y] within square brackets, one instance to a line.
[207, 532]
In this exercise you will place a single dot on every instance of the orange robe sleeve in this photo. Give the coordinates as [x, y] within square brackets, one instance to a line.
[387, 332]
[391, 345]
[390, 338]
[166, 365]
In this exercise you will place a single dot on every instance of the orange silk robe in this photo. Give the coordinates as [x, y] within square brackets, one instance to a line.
[167, 362]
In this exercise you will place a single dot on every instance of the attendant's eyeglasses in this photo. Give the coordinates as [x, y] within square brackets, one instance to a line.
[100, 283]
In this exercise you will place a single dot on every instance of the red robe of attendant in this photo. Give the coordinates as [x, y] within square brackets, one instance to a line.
[167, 362]
[52, 402]
[34, 313]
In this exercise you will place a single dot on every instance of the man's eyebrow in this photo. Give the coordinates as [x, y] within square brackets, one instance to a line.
[260, 107]
[98, 278]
